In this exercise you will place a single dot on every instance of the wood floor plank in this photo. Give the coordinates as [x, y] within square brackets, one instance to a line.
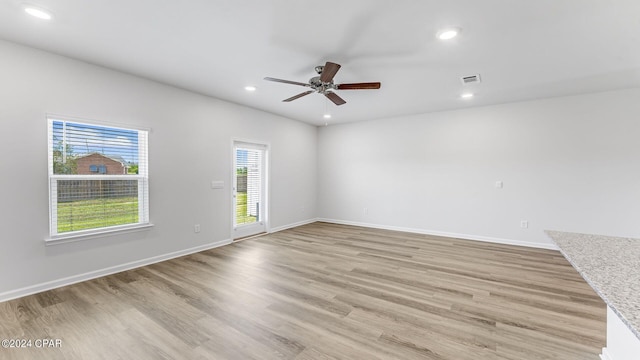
[324, 291]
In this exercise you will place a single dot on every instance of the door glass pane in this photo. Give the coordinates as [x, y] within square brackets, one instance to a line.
[248, 185]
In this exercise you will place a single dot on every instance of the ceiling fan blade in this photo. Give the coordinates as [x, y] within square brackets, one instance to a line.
[329, 71]
[359, 86]
[335, 98]
[286, 81]
[298, 96]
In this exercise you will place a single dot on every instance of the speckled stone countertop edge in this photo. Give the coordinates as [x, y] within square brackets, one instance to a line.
[610, 304]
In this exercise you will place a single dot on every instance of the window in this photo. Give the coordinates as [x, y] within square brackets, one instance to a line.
[98, 178]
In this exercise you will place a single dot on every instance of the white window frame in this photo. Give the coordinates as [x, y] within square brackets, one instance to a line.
[142, 177]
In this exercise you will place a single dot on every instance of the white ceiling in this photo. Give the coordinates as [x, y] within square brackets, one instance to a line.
[522, 49]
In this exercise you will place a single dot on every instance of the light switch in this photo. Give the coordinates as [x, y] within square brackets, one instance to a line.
[217, 184]
[498, 184]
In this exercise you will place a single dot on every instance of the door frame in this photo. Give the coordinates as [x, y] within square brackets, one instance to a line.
[266, 208]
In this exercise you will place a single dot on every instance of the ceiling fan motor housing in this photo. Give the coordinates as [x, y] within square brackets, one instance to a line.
[319, 86]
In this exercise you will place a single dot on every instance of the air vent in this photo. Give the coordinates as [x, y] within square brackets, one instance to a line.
[471, 79]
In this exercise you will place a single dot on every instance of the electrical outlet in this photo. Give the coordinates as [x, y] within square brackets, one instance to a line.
[524, 224]
[499, 184]
[196, 228]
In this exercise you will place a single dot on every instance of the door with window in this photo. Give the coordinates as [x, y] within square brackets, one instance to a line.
[249, 189]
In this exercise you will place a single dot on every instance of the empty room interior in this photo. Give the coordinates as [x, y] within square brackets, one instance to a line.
[282, 179]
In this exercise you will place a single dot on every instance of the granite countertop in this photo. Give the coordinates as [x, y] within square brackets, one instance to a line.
[611, 265]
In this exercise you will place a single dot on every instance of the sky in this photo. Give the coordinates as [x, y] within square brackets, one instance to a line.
[247, 157]
[86, 139]
[241, 158]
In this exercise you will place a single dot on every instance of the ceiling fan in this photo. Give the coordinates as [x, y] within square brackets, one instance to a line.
[323, 84]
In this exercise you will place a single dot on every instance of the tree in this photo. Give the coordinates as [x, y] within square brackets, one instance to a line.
[133, 169]
[62, 165]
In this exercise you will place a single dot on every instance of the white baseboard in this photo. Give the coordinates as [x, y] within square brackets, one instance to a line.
[291, 226]
[605, 354]
[30, 290]
[444, 234]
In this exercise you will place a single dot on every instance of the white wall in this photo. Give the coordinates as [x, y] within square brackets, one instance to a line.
[190, 145]
[569, 164]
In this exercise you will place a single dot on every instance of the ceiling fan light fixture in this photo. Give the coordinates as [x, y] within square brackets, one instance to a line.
[448, 33]
[37, 11]
[250, 88]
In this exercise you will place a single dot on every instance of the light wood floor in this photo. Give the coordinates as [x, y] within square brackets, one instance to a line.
[323, 291]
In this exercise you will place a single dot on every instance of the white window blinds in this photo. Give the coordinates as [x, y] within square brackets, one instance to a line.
[98, 177]
[249, 184]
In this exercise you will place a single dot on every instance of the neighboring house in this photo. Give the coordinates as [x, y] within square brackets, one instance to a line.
[99, 164]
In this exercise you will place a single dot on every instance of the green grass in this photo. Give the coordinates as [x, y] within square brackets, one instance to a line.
[92, 214]
[242, 217]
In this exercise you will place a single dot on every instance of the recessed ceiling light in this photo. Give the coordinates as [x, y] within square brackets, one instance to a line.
[467, 95]
[250, 88]
[327, 116]
[38, 12]
[447, 34]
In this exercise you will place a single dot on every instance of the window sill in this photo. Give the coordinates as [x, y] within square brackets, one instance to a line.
[91, 234]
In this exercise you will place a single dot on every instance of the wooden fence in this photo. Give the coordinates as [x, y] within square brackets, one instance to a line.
[75, 190]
